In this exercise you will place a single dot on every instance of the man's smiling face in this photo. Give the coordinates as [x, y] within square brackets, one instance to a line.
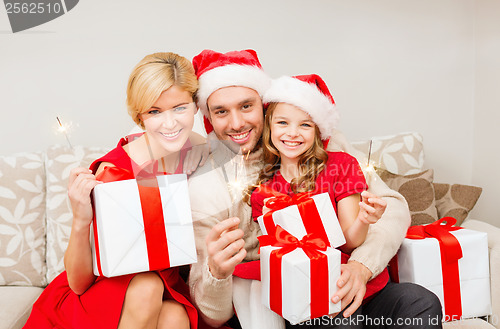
[237, 115]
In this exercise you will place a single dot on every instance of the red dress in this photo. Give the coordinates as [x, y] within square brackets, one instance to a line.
[101, 305]
[341, 178]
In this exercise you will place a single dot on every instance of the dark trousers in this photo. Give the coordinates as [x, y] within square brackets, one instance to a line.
[398, 305]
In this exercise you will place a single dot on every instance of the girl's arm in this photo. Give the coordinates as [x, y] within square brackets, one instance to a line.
[356, 216]
[78, 255]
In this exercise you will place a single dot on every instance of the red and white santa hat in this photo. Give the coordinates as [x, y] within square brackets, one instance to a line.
[235, 68]
[311, 95]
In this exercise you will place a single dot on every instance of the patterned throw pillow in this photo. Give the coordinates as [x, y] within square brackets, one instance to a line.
[60, 161]
[418, 191]
[22, 220]
[456, 200]
[401, 154]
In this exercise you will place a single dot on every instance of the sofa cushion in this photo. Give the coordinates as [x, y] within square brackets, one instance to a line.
[22, 220]
[401, 154]
[60, 161]
[456, 200]
[15, 305]
[418, 191]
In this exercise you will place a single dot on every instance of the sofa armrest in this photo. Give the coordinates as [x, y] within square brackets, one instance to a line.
[494, 249]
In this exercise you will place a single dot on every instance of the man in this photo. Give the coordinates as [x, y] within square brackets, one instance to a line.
[231, 88]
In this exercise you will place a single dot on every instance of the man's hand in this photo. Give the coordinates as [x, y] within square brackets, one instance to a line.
[352, 286]
[225, 246]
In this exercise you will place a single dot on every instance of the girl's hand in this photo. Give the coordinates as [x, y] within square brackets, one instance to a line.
[265, 209]
[371, 208]
[196, 157]
[80, 184]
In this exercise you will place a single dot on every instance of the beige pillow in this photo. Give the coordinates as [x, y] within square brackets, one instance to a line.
[456, 200]
[401, 154]
[60, 161]
[22, 220]
[418, 191]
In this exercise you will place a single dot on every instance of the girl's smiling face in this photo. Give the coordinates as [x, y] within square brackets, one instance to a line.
[292, 131]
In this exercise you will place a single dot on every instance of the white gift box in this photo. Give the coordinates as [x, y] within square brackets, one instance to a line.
[419, 261]
[120, 227]
[289, 218]
[296, 282]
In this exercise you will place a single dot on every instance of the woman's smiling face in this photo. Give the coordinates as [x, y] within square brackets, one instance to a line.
[169, 122]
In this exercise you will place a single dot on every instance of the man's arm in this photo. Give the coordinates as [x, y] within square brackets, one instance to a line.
[210, 283]
[385, 236]
[382, 241]
[218, 244]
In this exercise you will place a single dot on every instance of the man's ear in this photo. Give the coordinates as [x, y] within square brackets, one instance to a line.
[209, 116]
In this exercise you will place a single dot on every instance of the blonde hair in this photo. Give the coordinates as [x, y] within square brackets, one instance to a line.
[153, 75]
[310, 163]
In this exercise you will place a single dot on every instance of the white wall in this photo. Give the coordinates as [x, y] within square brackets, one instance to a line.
[392, 66]
[486, 155]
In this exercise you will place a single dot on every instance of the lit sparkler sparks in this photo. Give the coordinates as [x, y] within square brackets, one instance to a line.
[240, 182]
[64, 129]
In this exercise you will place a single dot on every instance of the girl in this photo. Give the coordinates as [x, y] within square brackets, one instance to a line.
[160, 98]
[300, 115]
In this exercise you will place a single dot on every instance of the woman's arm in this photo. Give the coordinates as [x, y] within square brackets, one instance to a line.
[78, 255]
[198, 155]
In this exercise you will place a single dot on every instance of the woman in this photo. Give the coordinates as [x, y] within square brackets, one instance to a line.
[160, 98]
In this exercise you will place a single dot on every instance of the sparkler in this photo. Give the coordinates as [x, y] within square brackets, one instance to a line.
[369, 166]
[240, 182]
[63, 129]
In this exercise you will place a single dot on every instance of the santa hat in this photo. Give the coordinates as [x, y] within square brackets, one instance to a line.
[311, 95]
[235, 68]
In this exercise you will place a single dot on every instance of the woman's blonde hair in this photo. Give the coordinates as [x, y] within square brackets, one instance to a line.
[153, 75]
[310, 163]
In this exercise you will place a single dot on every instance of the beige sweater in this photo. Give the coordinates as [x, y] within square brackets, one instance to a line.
[215, 196]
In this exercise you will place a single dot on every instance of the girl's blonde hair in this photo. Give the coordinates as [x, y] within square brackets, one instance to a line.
[153, 75]
[310, 163]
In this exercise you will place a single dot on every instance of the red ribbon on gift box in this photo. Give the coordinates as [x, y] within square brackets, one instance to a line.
[152, 212]
[310, 244]
[451, 252]
[307, 210]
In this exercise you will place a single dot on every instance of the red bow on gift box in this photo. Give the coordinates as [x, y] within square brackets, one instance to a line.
[451, 252]
[310, 244]
[307, 209]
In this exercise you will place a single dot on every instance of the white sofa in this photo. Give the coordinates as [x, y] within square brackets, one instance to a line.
[35, 221]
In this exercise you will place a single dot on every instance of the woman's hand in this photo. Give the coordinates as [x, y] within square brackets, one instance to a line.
[371, 208]
[80, 183]
[196, 157]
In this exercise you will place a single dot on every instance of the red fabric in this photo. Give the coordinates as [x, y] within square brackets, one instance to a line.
[341, 178]
[208, 60]
[100, 306]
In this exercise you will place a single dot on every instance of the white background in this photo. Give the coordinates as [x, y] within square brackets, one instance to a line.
[430, 66]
